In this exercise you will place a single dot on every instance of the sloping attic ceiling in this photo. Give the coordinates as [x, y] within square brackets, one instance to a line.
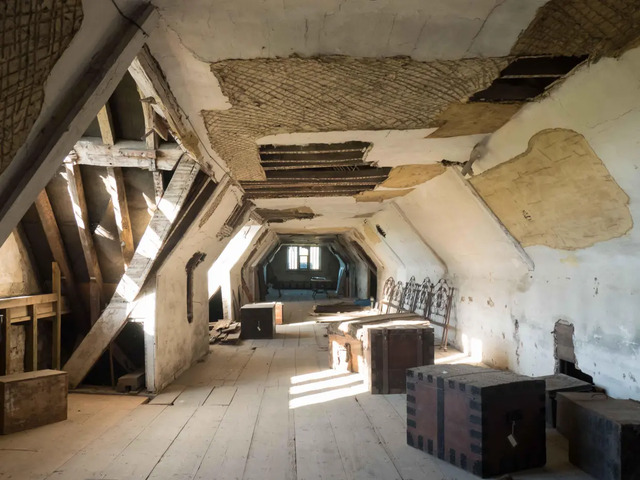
[271, 68]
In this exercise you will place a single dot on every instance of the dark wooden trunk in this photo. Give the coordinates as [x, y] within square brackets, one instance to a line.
[488, 422]
[560, 383]
[257, 320]
[603, 434]
[392, 350]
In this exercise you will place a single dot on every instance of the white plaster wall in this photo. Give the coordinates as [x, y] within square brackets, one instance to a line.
[17, 276]
[416, 257]
[220, 273]
[176, 343]
[595, 288]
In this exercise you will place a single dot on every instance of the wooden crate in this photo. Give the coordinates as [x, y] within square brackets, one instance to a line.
[32, 399]
[258, 320]
[391, 350]
[485, 421]
[603, 434]
[557, 383]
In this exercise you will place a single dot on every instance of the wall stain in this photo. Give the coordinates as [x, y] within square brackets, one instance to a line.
[539, 195]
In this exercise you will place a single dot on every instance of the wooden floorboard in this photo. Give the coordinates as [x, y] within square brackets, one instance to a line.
[262, 409]
[182, 459]
[141, 456]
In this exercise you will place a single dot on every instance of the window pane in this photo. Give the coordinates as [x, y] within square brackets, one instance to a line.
[315, 258]
[292, 263]
[304, 264]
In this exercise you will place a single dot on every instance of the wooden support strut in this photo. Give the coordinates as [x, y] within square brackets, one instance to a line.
[115, 315]
[121, 211]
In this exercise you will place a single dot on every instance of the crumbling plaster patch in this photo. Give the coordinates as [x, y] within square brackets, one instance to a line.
[473, 118]
[272, 96]
[412, 175]
[36, 33]
[558, 193]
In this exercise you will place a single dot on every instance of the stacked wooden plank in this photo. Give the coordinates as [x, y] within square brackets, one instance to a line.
[224, 331]
[488, 422]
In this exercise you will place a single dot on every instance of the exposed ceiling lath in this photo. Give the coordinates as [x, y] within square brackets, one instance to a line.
[315, 170]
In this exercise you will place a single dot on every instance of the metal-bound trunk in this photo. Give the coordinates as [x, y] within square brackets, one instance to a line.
[557, 383]
[603, 434]
[485, 421]
[392, 350]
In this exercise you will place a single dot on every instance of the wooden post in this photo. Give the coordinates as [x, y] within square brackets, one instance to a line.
[6, 343]
[121, 212]
[57, 322]
[31, 350]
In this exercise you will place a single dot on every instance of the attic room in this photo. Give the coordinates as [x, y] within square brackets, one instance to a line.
[364, 239]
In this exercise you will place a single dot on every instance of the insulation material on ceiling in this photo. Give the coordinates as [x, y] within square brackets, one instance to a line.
[333, 93]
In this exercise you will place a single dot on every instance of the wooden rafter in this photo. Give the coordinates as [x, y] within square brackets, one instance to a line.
[115, 315]
[56, 245]
[105, 123]
[81, 213]
[121, 212]
[35, 164]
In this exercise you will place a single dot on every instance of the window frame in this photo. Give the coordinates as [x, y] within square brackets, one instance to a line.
[298, 257]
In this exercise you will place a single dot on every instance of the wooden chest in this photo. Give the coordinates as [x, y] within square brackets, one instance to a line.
[485, 421]
[560, 383]
[32, 399]
[391, 350]
[258, 320]
[347, 340]
[603, 434]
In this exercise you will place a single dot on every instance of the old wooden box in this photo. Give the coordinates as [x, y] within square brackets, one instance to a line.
[32, 399]
[485, 421]
[560, 383]
[391, 350]
[347, 338]
[258, 320]
[603, 434]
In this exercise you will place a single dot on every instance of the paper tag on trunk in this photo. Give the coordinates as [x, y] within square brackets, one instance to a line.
[512, 440]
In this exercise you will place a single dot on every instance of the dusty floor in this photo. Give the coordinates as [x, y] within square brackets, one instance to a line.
[265, 409]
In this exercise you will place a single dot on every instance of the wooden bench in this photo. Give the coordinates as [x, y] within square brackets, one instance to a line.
[32, 399]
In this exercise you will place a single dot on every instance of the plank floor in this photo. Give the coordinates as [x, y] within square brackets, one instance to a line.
[264, 409]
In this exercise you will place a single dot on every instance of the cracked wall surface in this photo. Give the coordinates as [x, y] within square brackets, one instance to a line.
[577, 27]
[558, 193]
[33, 35]
[333, 93]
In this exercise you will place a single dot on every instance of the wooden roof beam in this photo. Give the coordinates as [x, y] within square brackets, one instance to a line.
[39, 159]
[127, 154]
